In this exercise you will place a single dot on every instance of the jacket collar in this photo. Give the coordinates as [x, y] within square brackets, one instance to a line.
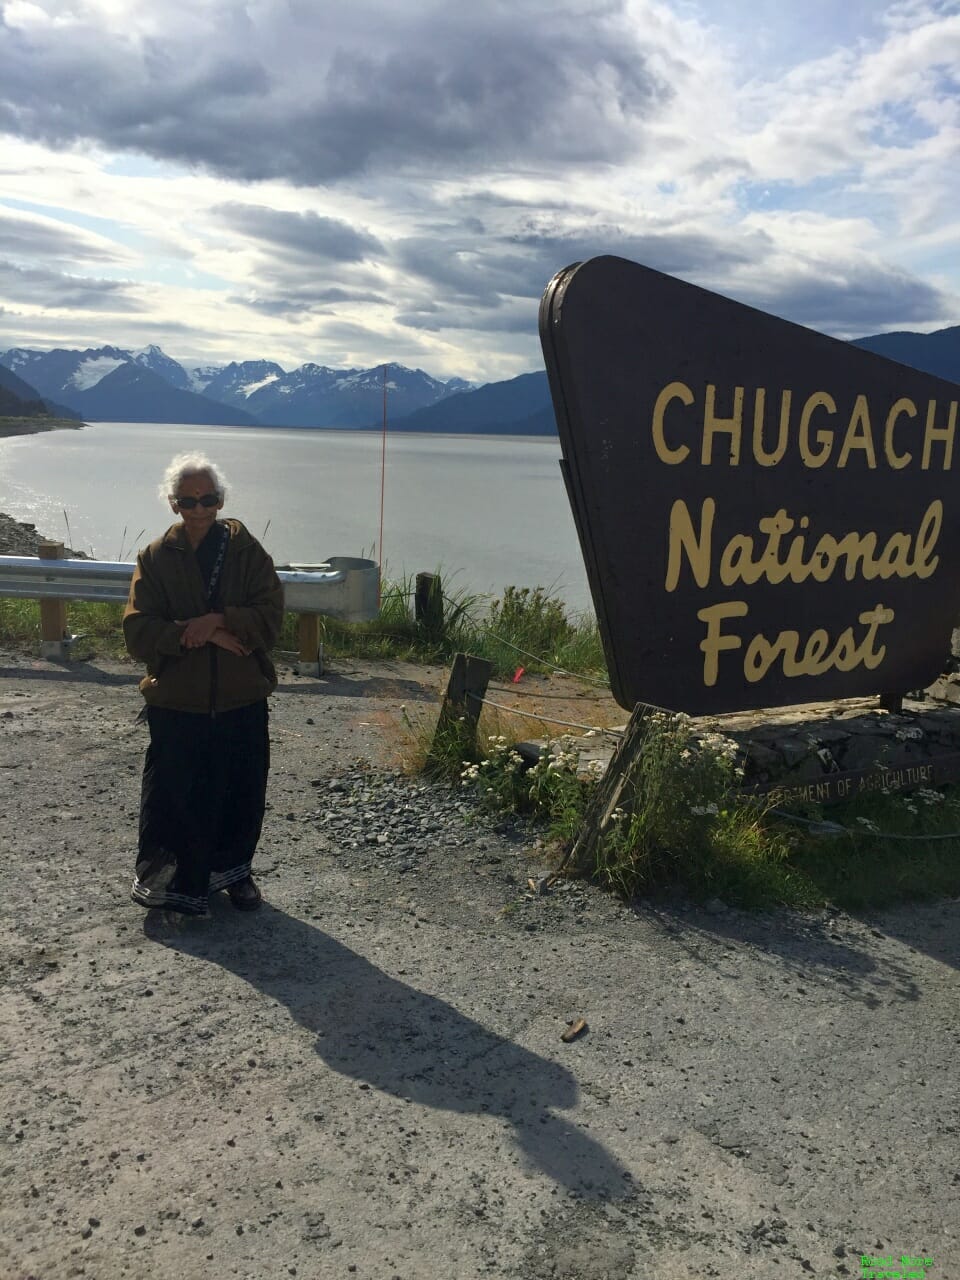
[176, 535]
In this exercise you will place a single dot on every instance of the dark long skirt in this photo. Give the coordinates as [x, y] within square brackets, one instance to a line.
[201, 804]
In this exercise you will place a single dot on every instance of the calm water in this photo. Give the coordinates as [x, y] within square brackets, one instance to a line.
[488, 511]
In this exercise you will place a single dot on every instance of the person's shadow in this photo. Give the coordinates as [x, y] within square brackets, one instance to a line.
[376, 1029]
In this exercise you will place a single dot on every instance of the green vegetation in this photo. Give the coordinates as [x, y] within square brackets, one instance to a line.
[682, 826]
[896, 847]
[524, 619]
[96, 625]
[527, 619]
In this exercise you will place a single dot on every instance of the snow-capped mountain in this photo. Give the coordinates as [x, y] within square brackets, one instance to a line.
[62, 373]
[315, 395]
[234, 383]
[157, 361]
[112, 384]
[65, 372]
[120, 385]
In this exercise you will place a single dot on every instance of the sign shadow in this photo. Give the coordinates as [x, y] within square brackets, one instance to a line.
[822, 951]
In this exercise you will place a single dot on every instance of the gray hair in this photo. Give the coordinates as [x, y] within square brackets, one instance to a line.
[190, 464]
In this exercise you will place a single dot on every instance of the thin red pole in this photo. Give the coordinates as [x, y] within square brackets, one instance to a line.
[383, 480]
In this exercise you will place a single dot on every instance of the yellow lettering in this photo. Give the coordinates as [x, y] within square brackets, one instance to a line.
[859, 434]
[812, 663]
[774, 527]
[714, 643]
[761, 654]
[873, 619]
[927, 537]
[684, 539]
[819, 400]
[673, 391]
[736, 563]
[939, 433]
[824, 558]
[712, 424]
[817, 656]
[844, 656]
[895, 559]
[759, 452]
[897, 460]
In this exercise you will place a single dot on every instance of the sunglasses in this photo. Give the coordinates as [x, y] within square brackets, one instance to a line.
[188, 504]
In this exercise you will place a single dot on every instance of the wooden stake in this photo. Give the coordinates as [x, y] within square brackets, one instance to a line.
[616, 789]
[462, 704]
[428, 604]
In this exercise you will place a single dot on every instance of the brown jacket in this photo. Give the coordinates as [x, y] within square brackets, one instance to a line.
[167, 584]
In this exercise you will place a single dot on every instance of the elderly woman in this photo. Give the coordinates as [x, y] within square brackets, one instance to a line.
[204, 611]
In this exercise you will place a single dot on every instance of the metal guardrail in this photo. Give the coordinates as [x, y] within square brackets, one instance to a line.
[343, 587]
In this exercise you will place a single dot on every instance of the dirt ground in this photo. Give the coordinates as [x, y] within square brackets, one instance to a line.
[366, 1077]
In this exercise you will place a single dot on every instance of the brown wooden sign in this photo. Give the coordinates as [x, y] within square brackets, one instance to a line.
[767, 515]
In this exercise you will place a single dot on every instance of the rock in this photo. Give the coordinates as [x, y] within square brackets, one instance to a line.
[18, 538]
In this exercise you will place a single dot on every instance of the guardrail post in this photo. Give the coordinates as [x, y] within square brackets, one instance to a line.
[310, 662]
[53, 613]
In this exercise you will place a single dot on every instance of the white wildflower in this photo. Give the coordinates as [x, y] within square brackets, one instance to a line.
[929, 796]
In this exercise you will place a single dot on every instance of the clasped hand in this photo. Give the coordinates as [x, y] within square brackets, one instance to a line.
[209, 628]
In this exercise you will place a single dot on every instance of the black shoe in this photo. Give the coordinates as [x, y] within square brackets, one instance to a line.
[245, 896]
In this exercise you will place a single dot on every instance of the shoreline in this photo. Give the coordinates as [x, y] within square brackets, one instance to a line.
[20, 538]
[15, 426]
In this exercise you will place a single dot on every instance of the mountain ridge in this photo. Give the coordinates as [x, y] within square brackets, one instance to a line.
[19, 398]
[118, 384]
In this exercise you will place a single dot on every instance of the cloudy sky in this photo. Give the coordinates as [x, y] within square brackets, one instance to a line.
[399, 179]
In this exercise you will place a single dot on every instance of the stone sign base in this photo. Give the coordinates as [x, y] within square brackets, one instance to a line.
[826, 752]
[832, 751]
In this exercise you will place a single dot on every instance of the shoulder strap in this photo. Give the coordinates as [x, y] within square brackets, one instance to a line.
[218, 565]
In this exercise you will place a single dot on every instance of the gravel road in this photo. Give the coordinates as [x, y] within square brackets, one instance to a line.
[366, 1077]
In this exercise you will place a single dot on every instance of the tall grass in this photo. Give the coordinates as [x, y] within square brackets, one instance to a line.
[96, 624]
[525, 627]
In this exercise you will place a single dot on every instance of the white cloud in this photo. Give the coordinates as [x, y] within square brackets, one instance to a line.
[367, 182]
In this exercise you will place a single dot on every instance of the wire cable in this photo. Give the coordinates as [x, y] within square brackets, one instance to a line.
[600, 684]
[530, 715]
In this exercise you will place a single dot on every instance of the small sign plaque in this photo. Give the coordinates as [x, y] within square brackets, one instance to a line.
[767, 515]
[832, 787]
